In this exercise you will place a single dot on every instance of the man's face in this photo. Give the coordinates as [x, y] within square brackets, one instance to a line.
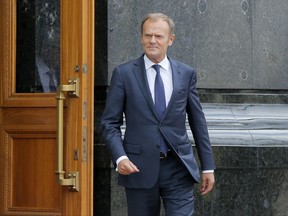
[156, 39]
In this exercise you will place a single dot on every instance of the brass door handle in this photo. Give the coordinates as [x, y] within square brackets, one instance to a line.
[73, 177]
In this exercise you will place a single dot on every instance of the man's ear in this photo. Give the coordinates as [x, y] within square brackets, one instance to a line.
[171, 39]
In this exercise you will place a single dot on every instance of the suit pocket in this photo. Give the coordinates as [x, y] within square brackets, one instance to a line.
[180, 97]
[132, 148]
[182, 91]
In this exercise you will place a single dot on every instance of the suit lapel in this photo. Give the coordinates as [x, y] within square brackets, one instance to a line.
[141, 77]
[176, 81]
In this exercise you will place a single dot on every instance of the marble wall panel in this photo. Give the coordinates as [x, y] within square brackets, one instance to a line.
[238, 44]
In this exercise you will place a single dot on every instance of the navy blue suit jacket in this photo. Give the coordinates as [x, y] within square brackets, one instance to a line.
[129, 93]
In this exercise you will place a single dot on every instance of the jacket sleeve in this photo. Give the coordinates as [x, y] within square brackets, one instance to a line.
[112, 118]
[198, 127]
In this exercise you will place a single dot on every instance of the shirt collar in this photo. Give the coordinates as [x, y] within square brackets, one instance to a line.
[164, 63]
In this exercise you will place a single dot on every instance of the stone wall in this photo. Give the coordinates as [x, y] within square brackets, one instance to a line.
[250, 145]
[236, 44]
[239, 50]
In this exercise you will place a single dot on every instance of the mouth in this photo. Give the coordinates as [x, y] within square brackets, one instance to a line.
[152, 48]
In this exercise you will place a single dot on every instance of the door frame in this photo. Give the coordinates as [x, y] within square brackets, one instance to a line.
[77, 49]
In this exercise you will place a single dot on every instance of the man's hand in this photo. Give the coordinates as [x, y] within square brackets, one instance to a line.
[126, 167]
[207, 183]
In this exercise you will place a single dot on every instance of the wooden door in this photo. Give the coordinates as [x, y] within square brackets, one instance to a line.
[37, 37]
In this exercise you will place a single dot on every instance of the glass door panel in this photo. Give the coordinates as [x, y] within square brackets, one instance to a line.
[37, 46]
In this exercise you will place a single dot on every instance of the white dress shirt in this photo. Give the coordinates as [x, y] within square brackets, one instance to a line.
[166, 75]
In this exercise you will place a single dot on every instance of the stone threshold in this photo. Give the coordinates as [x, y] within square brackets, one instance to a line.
[247, 125]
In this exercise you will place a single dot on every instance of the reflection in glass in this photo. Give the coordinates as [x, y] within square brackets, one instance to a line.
[38, 46]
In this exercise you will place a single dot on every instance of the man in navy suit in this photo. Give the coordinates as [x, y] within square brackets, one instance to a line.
[147, 173]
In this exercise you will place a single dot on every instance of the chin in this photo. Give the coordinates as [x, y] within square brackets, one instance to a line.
[152, 54]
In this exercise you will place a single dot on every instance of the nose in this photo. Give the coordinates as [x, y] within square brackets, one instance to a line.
[153, 39]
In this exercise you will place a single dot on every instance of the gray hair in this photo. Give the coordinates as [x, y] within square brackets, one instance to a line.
[157, 16]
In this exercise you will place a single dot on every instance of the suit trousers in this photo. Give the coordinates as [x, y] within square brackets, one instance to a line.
[175, 188]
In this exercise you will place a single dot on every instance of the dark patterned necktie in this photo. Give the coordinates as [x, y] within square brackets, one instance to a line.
[160, 102]
[159, 93]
